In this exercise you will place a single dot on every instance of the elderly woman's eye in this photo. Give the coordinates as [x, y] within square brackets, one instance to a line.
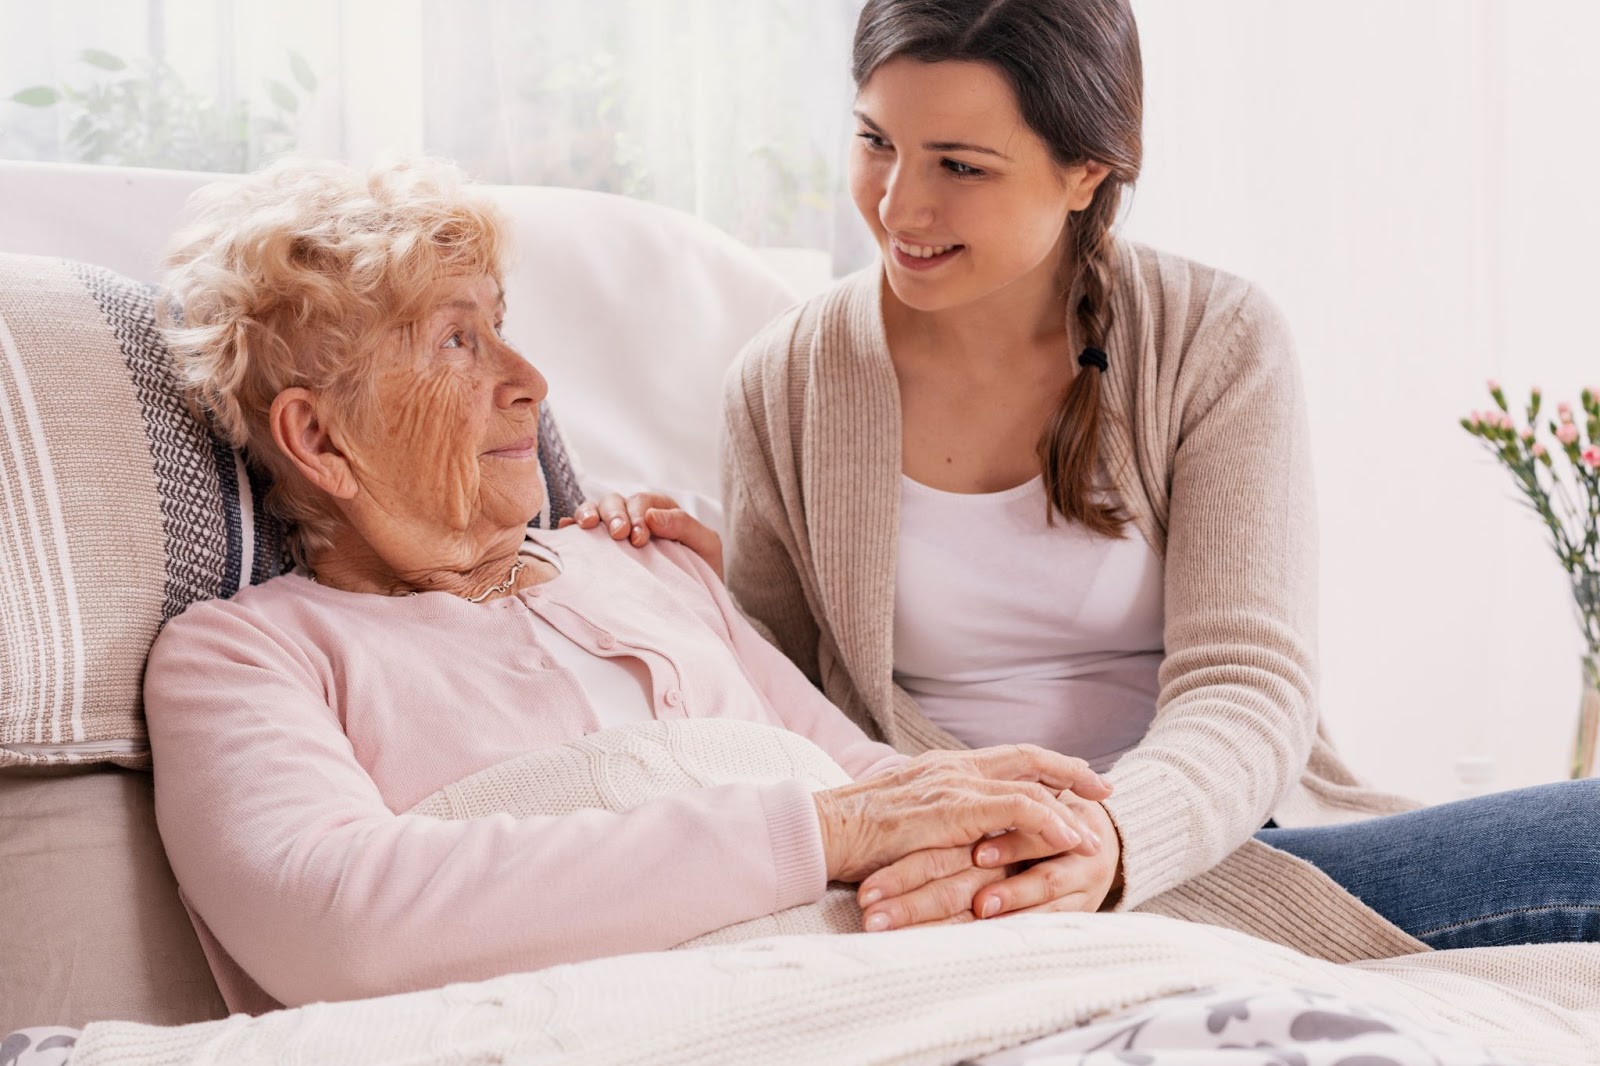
[454, 340]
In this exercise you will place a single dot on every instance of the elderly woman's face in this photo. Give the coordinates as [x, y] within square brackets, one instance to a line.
[455, 446]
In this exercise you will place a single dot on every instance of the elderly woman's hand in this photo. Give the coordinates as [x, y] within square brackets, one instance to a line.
[638, 517]
[947, 798]
[1007, 874]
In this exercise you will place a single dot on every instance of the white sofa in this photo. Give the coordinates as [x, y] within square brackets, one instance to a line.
[632, 311]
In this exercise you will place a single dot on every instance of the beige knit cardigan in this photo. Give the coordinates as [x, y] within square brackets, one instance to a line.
[1206, 444]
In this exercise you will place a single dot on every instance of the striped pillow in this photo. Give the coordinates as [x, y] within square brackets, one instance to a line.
[117, 510]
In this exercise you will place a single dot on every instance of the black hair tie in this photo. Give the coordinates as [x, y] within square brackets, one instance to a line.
[1094, 357]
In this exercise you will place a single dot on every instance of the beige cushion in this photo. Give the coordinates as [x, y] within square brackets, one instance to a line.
[117, 510]
[92, 927]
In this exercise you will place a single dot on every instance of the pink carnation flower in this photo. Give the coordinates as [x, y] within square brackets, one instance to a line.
[1538, 451]
[1567, 433]
[1591, 455]
[1564, 410]
[1494, 384]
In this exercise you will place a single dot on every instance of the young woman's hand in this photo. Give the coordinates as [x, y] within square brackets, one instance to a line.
[942, 799]
[643, 515]
[1007, 874]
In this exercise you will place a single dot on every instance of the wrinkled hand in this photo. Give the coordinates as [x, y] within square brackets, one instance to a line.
[946, 798]
[1012, 873]
[638, 517]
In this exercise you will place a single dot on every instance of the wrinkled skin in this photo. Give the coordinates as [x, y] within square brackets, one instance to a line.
[1014, 873]
[435, 490]
[952, 799]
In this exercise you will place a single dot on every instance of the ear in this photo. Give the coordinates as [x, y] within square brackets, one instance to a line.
[1083, 180]
[302, 435]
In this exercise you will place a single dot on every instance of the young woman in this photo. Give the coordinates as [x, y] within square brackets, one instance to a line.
[1025, 481]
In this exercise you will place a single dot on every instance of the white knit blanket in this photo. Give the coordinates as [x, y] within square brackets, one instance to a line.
[936, 995]
[617, 769]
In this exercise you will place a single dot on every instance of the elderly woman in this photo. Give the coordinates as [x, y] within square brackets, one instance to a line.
[345, 330]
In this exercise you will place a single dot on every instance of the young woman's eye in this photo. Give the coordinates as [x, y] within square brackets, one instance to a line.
[875, 142]
[961, 170]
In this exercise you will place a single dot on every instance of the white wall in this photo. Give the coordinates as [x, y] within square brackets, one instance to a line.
[1414, 182]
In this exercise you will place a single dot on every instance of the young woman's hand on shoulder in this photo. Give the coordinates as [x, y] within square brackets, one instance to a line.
[643, 515]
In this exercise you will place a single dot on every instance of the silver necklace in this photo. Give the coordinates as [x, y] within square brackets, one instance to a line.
[504, 586]
[511, 579]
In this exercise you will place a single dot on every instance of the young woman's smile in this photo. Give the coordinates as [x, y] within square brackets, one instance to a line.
[915, 255]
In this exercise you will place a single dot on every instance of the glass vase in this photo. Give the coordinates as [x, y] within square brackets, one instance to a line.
[1583, 747]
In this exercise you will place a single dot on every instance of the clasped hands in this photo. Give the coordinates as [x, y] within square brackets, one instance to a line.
[955, 836]
[950, 836]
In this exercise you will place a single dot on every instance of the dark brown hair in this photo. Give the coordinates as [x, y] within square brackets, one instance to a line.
[1075, 68]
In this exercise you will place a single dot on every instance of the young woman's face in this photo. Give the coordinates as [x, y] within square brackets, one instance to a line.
[963, 198]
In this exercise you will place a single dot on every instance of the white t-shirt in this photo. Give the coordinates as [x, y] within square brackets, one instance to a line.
[1008, 629]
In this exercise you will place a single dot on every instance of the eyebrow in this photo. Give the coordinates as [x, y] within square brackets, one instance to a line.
[940, 146]
[470, 306]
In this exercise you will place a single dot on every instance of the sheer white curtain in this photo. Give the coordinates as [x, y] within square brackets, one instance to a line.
[730, 109]
[734, 110]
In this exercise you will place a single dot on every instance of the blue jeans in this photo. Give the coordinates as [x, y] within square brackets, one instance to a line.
[1518, 867]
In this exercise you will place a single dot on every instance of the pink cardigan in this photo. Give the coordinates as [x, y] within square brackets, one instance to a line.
[292, 725]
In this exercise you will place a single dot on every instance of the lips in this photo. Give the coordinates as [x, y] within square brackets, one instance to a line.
[914, 256]
[525, 448]
[921, 249]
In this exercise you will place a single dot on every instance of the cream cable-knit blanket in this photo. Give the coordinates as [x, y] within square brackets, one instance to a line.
[921, 996]
[617, 769]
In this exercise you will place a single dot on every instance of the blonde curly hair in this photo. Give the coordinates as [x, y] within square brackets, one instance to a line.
[298, 276]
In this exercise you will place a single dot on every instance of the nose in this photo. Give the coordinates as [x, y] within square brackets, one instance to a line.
[520, 381]
[907, 202]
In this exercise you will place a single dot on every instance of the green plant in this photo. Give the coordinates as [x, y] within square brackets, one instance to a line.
[143, 114]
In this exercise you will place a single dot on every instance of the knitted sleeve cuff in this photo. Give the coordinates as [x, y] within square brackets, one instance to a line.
[1150, 817]
[800, 867]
